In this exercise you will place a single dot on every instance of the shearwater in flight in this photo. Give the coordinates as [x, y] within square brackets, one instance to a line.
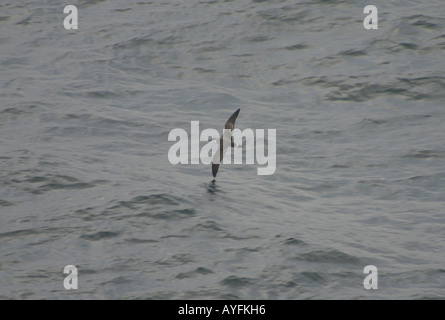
[225, 141]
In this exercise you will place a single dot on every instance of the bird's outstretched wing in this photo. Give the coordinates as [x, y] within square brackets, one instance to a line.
[230, 124]
[215, 168]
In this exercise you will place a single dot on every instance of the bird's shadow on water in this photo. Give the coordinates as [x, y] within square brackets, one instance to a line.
[213, 188]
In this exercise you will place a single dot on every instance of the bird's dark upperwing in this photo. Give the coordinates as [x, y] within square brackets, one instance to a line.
[230, 124]
[215, 166]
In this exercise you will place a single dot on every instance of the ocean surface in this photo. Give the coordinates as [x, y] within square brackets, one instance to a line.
[85, 178]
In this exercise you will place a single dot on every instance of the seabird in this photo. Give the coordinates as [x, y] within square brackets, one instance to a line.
[227, 137]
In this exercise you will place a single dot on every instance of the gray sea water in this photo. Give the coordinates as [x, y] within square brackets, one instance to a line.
[85, 178]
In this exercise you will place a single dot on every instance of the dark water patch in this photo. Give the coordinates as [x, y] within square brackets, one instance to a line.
[257, 38]
[138, 241]
[348, 89]
[326, 61]
[132, 43]
[245, 250]
[352, 53]
[423, 21]
[374, 188]
[294, 242]
[361, 92]
[415, 118]
[93, 120]
[298, 46]
[409, 46]
[377, 220]
[19, 111]
[212, 229]
[55, 182]
[72, 186]
[319, 134]
[174, 214]
[208, 226]
[359, 164]
[434, 82]
[422, 188]
[170, 236]
[141, 202]
[14, 113]
[26, 21]
[123, 9]
[34, 236]
[310, 277]
[279, 14]
[425, 154]
[100, 235]
[229, 296]
[420, 276]
[176, 260]
[424, 178]
[394, 122]
[5, 203]
[203, 70]
[368, 122]
[102, 94]
[328, 256]
[164, 199]
[346, 165]
[156, 206]
[372, 183]
[237, 282]
[89, 3]
[194, 273]
[38, 274]
[85, 213]
[19, 233]
[66, 131]
[326, 186]
[120, 280]
[322, 81]
[285, 82]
